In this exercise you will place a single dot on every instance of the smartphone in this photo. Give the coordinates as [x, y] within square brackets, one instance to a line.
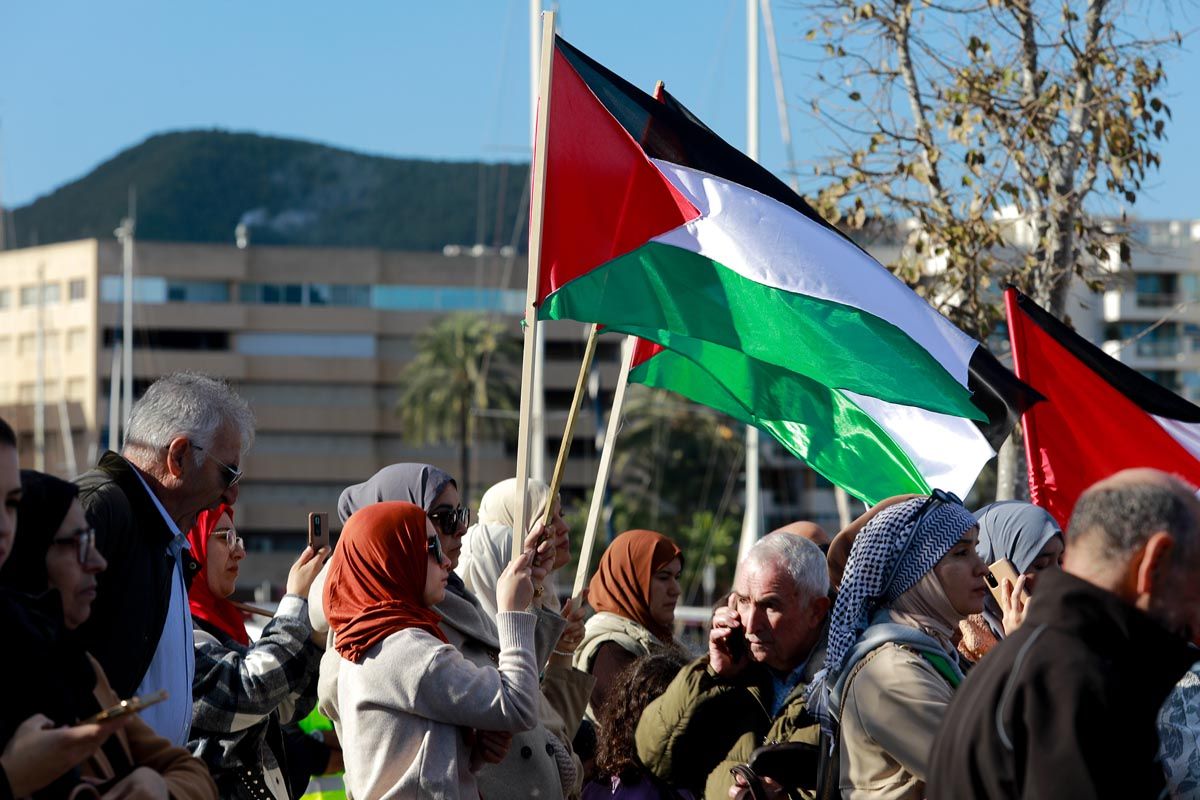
[736, 642]
[1000, 571]
[318, 530]
[130, 706]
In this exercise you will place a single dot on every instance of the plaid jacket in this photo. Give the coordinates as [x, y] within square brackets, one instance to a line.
[241, 696]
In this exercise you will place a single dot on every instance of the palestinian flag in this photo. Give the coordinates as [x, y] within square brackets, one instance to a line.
[656, 227]
[1100, 416]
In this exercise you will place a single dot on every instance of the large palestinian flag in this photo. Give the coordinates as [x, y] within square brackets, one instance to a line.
[1100, 416]
[656, 227]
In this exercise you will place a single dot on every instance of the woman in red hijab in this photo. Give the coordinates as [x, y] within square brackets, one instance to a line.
[408, 700]
[634, 592]
[243, 693]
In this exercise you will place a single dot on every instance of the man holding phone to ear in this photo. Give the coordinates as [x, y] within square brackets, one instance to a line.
[763, 649]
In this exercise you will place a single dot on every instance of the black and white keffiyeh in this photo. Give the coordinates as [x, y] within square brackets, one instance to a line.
[889, 556]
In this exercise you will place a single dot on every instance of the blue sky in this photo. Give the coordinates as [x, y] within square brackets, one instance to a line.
[83, 80]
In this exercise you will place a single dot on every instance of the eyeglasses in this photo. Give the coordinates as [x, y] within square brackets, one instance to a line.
[435, 548]
[232, 540]
[230, 475]
[936, 498]
[84, 539]
[449, 520]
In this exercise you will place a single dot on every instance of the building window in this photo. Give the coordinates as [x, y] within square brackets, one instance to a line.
[5, 298]
[328, 345]
[197, 292]
[168, 339]
[1156, 290]
[29, 295]
[77, 289]
[51, 293]
[154, 290]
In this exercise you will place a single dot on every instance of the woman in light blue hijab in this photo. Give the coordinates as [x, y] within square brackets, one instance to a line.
[1027, 536]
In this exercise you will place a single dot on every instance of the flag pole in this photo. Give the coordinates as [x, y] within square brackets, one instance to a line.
[606, 457]
[564, 448]
[536, 217]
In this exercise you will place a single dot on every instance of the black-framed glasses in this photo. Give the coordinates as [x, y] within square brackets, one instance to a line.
[84, 539]
[449, 520]
[936, 499]
[232, 540]
[230, 475]
[435, 548]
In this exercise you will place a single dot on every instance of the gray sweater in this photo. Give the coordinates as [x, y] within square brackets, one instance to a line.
[405, 707]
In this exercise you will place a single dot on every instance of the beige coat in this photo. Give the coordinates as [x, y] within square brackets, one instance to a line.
[892, 710]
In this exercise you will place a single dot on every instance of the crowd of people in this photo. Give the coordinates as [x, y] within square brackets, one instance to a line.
[891, 660]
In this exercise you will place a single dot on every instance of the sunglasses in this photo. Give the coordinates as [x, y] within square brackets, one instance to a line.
[230, 475]
[84, 539]
[449, 520]
[435, 548]
[935, 500]
[232, 540]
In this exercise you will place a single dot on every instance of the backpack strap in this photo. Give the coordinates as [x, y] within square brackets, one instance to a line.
[830, 765]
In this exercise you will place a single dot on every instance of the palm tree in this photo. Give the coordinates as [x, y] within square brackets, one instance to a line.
[464, 365]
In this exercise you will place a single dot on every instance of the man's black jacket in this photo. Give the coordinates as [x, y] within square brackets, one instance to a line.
[1066, 706]
[134, 592]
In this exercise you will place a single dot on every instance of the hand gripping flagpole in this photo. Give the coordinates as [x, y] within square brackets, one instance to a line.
[537, 214]
[605, 469]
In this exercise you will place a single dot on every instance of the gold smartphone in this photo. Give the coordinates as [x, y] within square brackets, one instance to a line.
[1000, 571]
[130, 706]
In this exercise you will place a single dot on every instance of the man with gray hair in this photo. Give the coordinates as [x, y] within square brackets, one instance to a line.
[1067, 705]
[764, 647]
[183, 445]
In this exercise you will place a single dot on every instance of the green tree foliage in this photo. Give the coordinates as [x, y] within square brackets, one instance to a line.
[465, 364]
[1011, 131]
[195, 186]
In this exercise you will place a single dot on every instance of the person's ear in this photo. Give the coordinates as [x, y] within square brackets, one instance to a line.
[1153, 563]
[819, 607]
[177, 451]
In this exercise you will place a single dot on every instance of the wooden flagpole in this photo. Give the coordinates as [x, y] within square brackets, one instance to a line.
[602, 474]
[564, 448]
[537, 213]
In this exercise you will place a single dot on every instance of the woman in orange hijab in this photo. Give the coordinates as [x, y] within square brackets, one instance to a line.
[409, 701]
[634, 592]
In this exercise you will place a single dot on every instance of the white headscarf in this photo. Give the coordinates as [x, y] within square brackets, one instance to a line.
[487, 548]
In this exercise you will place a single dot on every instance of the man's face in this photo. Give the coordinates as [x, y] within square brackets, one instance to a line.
[782, 624]
[206, 485]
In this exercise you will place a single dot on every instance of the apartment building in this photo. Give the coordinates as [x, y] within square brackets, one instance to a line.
[1151, 315]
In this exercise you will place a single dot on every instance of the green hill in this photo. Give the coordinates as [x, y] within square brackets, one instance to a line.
[195, 186]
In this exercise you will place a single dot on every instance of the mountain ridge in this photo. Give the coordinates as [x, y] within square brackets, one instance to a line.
[197, 185]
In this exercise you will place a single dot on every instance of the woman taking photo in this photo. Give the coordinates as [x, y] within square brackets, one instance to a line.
[243, 693]
[634, 591]
[54, 554]
[406, 697]
[892, 667]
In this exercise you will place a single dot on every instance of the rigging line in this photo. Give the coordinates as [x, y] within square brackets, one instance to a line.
[785, 128]
[1159, 323]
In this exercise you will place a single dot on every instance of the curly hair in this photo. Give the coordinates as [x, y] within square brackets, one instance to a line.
[634, 688]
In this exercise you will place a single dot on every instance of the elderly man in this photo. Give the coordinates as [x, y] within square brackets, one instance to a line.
[184, 442]
[763, 650]
[1066, 706]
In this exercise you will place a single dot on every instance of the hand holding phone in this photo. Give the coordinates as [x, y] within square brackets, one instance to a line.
[1013, 597]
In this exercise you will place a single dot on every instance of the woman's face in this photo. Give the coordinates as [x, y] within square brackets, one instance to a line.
[961, 572]
[72, 564]
[449, 529]
[559, 530]
[438, 573]
[1050, 557]
[664, 592]
[222, 566]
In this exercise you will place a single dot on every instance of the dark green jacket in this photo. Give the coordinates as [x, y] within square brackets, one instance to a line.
[702, 726]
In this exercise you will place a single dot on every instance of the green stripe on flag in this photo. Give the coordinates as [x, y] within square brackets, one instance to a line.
[660, 289]
[818, 424]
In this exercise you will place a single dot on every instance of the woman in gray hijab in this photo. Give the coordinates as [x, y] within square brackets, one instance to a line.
[536, 763]
[1027, 536]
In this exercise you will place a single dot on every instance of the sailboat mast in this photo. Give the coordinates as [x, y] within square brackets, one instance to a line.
[125, 234]
[537, 432]
[752, 521]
